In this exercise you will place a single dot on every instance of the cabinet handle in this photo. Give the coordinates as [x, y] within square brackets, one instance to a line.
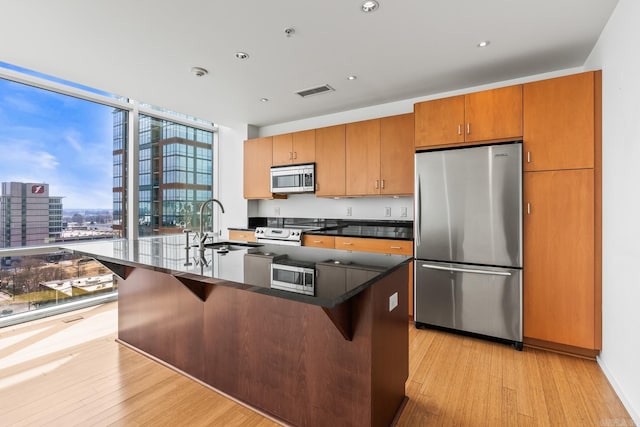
[295, 154]
[459, 129]
[468, 128]
[347, 243]
[382, 184]
[377, 183]
[528, 156]
[317, 241]
[396, 247]
[528, 208]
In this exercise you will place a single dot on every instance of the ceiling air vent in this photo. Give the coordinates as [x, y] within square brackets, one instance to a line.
[315, 91]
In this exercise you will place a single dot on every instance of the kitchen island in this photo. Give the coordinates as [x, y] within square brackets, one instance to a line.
[335, 354]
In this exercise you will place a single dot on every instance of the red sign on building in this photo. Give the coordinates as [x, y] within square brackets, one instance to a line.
[37, 189]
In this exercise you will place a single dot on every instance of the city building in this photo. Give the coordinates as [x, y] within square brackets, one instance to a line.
[175, 174]
[28, 214]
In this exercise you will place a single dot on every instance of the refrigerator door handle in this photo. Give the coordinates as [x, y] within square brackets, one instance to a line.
[418, 219]
[467, 270]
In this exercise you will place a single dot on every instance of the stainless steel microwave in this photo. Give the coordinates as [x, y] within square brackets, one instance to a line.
[293, 277]
[293, 179]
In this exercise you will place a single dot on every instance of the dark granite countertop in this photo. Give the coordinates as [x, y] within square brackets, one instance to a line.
[367, 231]
[380, 229]
[339, 274]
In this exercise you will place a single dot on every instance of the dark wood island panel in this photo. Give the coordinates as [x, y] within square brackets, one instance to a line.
[283, 357]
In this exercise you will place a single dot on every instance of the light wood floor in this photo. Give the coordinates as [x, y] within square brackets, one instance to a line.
[69, 371]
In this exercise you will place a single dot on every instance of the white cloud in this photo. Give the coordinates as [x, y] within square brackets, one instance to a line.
[45, 160]
[20, 158]
[71, 136]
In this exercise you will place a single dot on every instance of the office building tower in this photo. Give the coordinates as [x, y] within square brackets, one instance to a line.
[28, 215]
[175, 174]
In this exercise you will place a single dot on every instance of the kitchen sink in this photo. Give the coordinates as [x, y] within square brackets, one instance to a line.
[230, 246]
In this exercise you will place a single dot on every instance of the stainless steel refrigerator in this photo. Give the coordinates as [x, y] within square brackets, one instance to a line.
[468, 240]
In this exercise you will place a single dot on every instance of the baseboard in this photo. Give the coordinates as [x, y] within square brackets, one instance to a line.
[625, 402]
[561, 348]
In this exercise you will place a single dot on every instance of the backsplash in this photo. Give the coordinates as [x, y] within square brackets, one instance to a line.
[310, 206]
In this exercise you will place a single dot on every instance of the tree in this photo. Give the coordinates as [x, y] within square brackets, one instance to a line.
[77, 218]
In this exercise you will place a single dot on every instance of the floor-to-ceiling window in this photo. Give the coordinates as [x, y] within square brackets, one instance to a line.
[66, 177]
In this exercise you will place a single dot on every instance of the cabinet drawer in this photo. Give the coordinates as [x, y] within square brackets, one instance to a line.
[241, 235]
[386, 246]
[318, 241]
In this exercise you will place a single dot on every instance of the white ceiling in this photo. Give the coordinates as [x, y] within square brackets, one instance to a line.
[144, 49]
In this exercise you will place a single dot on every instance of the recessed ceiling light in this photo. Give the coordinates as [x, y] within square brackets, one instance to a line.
[370, 6]
[242, 55]
[352, 77]
[484, 43]
[199, 71]
[264, 99]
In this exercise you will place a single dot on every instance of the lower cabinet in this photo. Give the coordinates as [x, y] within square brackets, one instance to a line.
[561, 290]
[242, 235]
[318, 241]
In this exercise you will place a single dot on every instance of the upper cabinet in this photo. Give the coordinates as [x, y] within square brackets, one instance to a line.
[559, 125]
[257, 168]
[396, 155]
[379, 156]
[296, 147]
[363, 158]
[330, 161]
[494, 114]
[439, 122]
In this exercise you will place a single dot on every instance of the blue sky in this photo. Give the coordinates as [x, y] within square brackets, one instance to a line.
[57, 139]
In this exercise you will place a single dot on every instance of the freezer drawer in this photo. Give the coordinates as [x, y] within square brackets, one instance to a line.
[482, 300]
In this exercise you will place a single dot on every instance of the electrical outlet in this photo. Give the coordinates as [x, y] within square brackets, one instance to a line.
[387, 211]
[403, 211]
[349, 211]
[393, 301]
[276, 211]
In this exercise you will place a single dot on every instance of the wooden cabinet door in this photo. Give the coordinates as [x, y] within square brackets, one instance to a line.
[304, 146]
[363, 158]
[493, 114]
[330, 161]
[318, 241]
[439, 122]
[282, 149]
[257, 168]
[242, 235]
[385, 246]
[559, 285]
[559, 123]
[396, 155]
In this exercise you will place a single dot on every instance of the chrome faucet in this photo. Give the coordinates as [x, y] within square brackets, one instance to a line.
[203, 235]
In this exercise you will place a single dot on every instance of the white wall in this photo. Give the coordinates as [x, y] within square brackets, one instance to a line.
[229, 176]
[309, 206]
[616, 53]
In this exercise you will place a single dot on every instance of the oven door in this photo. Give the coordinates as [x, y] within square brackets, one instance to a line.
[293, 278]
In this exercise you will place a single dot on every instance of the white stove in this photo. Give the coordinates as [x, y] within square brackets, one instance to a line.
[279, 236]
